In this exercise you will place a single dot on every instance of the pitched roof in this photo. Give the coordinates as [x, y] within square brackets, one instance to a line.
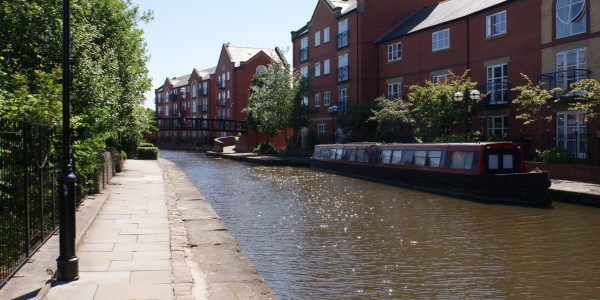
[438, 14]
[240, 55]
[343, 6]
[205, 74]
[180, 81]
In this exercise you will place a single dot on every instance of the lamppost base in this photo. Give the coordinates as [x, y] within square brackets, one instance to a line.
[67, 269]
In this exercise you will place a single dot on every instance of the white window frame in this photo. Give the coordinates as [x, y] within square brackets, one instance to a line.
[440, 40]
[566, 64]
[304, 71]
[394, 52]
[326, 98]
[326, 66]
[394, 90]
[571, 132]
[497, 95]
[493, 130]
[342, 100]
[304, 43]
[326, 37]
[441, 78]
[321, 130]
[495, 24]
[317, 69]
[317, 100]
[570, 18]
[317, 39]
[194, 91]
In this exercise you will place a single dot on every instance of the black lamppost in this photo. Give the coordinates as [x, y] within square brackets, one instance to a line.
[333, 110]
[459, 97]
[67, 263]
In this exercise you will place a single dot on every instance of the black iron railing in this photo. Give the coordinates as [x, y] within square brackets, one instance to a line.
[343, 73]
[303, 54]
[201, 124]
[342, 39]
[27, 198]
[563, 79]
[496, 93]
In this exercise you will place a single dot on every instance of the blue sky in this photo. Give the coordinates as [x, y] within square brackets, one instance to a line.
[188, 34]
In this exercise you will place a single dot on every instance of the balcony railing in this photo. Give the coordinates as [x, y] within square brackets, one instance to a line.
[303, 54]
[173, 97]
[220, 84]
[173, 113]
[343, 73]
[497, 93]
[221, 102]
[157, 100]
[202, 108]
[563, 79]
[342, 39]
[202, 91]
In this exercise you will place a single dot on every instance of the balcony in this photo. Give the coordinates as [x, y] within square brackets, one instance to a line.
[173, 113]
[220, 84]
[157, 100]
[202, 91]
[563, 79]
[202, 108]
[303, 54]
[343, 73]
[342, 39]
[221, 102]
[172, 97]
[497, 94]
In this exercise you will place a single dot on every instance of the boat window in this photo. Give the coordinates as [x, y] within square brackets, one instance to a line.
[317, 153]
[345, 154]
[507, 161]
[326, 153]
[352, 154]
[361, 155]
[420, 158]
[397, 157]
[434, 159]
[462, 160]
[407, 157]
[493, 161]
[386, 156]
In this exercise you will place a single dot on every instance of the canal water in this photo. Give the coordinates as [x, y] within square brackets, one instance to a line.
[314, 235]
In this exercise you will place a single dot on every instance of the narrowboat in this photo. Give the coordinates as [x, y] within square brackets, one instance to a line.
[487, 171]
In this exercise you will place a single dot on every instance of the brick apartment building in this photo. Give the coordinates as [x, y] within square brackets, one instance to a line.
[207, 101]
[355, 50]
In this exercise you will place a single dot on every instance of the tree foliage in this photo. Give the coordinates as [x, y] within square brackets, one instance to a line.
[587, 93]
[108, 71]
[357, 121]
[273, 99]
[435, 108]
[391, 117]
[531, 100]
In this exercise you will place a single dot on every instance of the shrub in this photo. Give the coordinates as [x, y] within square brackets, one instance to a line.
[265, 148]
[556, 156]
[123, 155]
[147, 153]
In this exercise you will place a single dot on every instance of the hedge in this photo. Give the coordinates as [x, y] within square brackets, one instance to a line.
[147, 153]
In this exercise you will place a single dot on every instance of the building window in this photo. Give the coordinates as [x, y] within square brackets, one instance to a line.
[303, 55]
[394, 52]
[571, 132]
[317, 69]
[326, 35]
[497, 84]
[497, 125]
[317, 38]
[570, 18]
[342, 37]
[441, 79]
[194, 106]
[440, 40]
[326, 66]
[571, 66]
[394, 90]
[228, 77]
[321, 131]
[495, 24]
[343, 72]
[317, 100]
[261, 70]
[304, 71]
[342, 101]
[326, 98]
[194, 91]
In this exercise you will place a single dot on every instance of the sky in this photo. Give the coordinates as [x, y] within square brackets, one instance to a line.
[188, 34]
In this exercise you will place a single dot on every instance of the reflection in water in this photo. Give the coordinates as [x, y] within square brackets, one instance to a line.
[314, 235]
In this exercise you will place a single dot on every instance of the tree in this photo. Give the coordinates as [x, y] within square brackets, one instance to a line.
[357, 120]
[435, 108]
[587, 96]
[531, 100]
[391, 116]
[271, 104]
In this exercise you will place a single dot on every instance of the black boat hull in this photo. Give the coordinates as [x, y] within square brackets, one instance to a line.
[520, 188]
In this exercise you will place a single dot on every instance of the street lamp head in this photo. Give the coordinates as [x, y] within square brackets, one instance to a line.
[475, 95]
[333, 109]
[459, 97]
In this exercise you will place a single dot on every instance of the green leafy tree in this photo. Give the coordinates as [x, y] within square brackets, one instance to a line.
[531, 99]
[587, 98]
[391, 117]
[435, 108]
[357, 120]
[272, 100]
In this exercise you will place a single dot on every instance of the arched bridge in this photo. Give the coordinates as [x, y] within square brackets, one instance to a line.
[200, 124]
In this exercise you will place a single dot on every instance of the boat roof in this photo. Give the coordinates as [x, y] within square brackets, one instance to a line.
[417, 144]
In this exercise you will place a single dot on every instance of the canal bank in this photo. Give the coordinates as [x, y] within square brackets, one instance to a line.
[575, 192]
[149, 235]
